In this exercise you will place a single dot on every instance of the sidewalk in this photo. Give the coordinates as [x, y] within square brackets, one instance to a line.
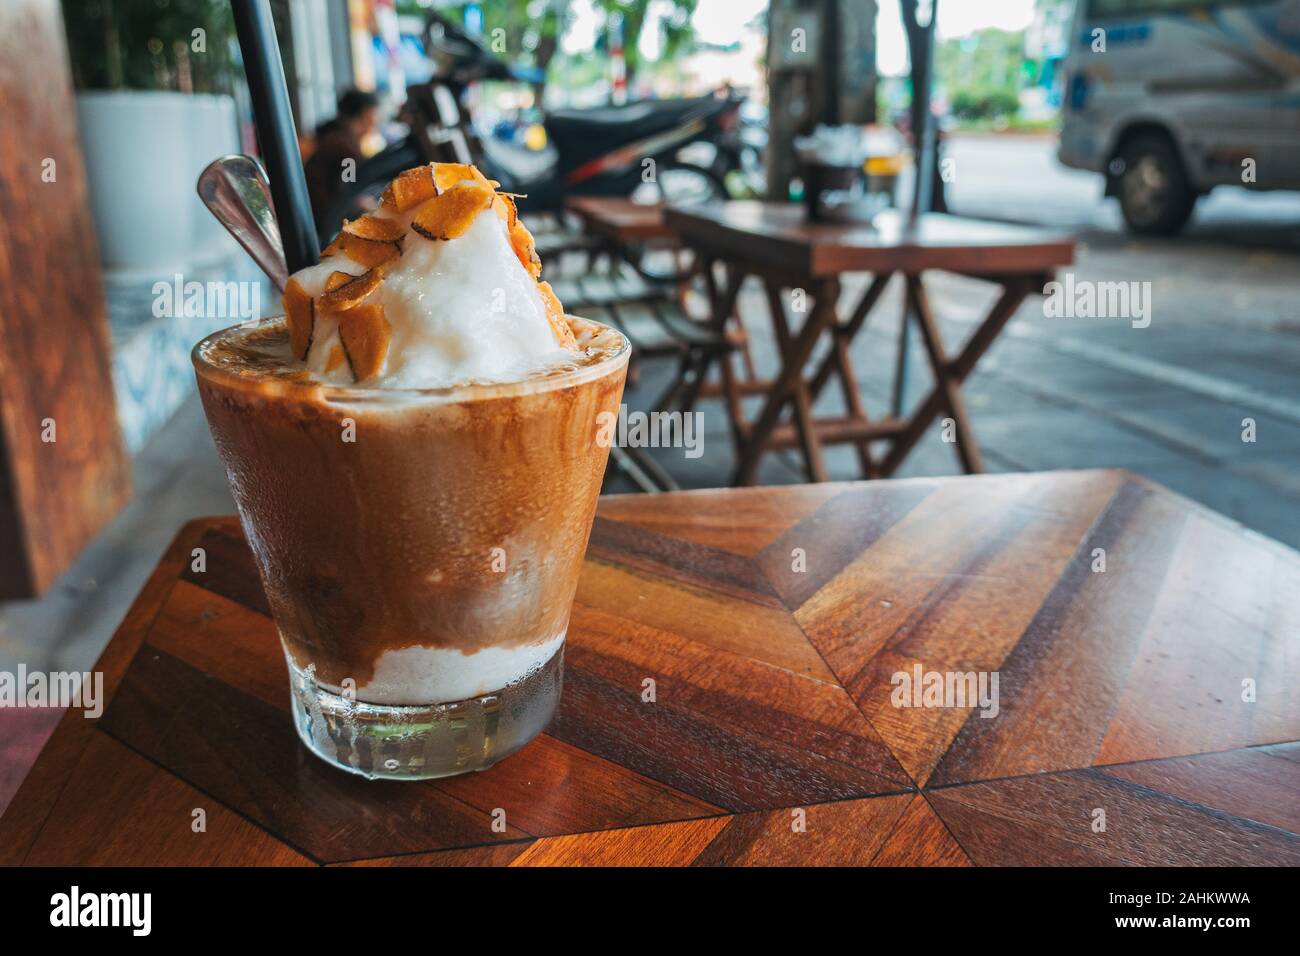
[1166, 401]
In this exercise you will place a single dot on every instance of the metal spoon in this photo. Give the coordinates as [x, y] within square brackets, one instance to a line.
[236, 191]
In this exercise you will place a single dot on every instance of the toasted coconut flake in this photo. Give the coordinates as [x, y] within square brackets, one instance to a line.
[336, 358]
[504, 205]
[375, 229]
[370, 253]
[365, 335]
[410, 188]
[336, 280]
[450, 215]
[448, 175]
[300, 316]
[349, 293]
[521, 240]
[555, 316]
[446, 198]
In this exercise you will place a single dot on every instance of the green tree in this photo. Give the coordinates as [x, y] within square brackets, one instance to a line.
[531, 29]
[678, 35]
[985, 62]
[150, 44]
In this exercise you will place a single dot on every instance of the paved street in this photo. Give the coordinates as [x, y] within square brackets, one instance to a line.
[1166, 401]
[1018, 179]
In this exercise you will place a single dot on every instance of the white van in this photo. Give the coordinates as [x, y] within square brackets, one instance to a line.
[1170, 98]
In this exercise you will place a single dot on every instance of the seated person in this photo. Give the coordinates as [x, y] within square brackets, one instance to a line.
[338, 140]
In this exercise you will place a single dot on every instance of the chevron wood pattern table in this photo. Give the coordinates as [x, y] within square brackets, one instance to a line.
[771, 622]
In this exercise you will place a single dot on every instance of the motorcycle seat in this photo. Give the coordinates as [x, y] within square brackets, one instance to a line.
[667, 111]
[579, 134]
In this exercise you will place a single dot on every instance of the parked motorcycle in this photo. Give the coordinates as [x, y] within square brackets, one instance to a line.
[691, 142]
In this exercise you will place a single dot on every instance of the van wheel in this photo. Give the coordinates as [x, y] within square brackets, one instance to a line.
[1154, 194]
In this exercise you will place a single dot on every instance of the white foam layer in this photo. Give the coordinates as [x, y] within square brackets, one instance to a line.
[462, 310]
[434, 675]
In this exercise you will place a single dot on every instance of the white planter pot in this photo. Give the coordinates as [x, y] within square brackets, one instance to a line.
[144, 152]
[214, 132]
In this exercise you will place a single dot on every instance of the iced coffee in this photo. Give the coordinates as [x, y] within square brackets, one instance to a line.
[413, 451]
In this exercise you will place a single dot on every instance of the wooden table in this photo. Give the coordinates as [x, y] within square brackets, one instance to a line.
[645, 306]
[776, 243]
[1119, 690]
[618, 219]
[624, 228]
[621, 227]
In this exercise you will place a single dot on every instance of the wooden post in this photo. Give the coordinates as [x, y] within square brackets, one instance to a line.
[64, 471]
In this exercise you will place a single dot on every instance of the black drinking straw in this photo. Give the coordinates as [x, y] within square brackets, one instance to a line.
[275, 131]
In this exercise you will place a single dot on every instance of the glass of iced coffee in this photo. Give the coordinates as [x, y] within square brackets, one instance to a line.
[413, 450]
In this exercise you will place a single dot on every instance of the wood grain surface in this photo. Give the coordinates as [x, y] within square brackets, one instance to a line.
[1146, 713]
[779, 237]
[57, 489]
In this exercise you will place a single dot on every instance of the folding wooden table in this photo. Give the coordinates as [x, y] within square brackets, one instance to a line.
[645, 306]
[622, 226]
[617, 225]
[774, 242]
[619, 220]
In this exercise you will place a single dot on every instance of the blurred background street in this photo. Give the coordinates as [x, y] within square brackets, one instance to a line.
[1017, 177]
[1167, 401]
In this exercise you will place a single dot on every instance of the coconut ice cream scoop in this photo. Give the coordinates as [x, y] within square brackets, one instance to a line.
[438, 287]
